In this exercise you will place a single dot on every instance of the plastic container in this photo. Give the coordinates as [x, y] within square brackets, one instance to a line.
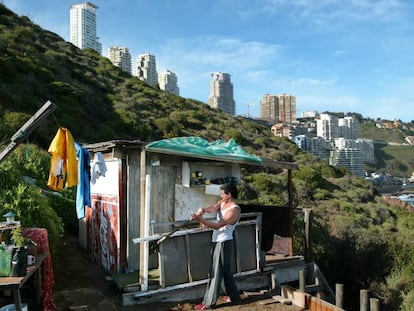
[5, 262]
[12, 307]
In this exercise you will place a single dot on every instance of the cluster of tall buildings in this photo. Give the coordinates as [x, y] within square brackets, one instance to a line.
[336, 138]
[337, 141]
[83, 34]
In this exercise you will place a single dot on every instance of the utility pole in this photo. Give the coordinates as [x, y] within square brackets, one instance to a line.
[248, 108]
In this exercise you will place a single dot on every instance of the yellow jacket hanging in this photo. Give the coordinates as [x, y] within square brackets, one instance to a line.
[63, 163]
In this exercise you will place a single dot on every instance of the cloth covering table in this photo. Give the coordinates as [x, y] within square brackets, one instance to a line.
[40, 237]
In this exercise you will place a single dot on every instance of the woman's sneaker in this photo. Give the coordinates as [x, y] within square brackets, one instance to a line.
[201, 306]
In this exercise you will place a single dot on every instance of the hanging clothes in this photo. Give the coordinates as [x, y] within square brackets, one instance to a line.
[83, 191]
[98, 167]
[63, 163]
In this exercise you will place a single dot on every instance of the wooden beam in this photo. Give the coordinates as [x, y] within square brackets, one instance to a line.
[143, 258]
[27, 128]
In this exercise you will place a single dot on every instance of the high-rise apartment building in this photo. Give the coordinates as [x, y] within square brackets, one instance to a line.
[287, 108]
[120, 57]
[349, 127]
[167, 80]
[314, 145]
[83, 26]
[347, 153]
[221, 93]
[327, 127]
[278, 108]
[269, 108]
[145, 68]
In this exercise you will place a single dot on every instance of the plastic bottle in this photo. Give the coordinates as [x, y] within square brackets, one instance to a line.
[5, 260]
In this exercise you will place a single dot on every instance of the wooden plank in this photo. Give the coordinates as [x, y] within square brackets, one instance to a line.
[267, 301]
[27, 128]
[245, 239]
[283, 300]
[162, 194]
[142, 255]
[133, 205]
[173, 262]
[317, 304]
[314, 288]
[199, 255]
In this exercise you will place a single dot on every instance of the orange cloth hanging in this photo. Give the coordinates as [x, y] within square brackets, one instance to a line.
[63, 163]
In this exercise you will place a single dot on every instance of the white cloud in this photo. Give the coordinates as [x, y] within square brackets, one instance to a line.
[219, 52]
[312, 82]
[333, 15]
[194, 59]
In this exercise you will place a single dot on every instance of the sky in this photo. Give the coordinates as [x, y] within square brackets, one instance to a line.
[333, 55]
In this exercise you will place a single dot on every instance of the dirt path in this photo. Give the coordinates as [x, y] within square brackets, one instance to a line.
[83, 286]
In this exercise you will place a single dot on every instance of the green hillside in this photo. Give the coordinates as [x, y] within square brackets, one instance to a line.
[394, 156]
[369, 130]
[354, 228]
[95, 99]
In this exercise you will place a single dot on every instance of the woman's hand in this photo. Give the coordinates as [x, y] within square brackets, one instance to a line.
[200, 211]
[197, 216]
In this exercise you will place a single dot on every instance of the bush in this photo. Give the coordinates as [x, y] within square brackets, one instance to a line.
[22, 177]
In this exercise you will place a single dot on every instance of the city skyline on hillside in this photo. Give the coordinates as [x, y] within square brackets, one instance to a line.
[332, 56]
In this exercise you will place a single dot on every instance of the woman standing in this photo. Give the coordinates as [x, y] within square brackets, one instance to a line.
[228, 215]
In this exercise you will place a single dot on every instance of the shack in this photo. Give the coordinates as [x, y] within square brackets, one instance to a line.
[147, 191]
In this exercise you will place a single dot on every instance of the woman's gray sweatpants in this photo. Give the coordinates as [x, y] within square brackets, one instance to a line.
[220, 270]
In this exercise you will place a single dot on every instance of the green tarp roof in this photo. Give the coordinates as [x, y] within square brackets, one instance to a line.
[197, 146]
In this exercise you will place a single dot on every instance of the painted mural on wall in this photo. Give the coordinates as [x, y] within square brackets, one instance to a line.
[103, 231]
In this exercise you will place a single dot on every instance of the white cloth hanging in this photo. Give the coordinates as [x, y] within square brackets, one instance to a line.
[98, 167]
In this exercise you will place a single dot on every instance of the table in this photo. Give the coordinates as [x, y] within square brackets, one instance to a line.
[15, 283]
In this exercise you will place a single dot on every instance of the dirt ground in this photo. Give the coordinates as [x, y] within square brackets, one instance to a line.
[83, 286]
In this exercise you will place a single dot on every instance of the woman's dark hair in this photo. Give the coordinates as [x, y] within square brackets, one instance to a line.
[230, 188]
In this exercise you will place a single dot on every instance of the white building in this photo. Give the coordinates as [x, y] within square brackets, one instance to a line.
[367, 149]
[221, 93]
[330, 127]
[145, 68]
[309, 114]
[327, 127]
[337, 141]
[83, 26]
[349, 127]
[120, 57]
[314, 145]
[347, 153]
[167, 81]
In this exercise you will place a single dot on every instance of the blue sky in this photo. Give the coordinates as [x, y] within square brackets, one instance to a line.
[333, 55]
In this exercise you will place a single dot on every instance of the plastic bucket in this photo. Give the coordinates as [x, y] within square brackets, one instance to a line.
[12, 307]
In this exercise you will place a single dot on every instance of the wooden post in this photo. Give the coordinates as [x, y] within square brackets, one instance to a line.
[302, 281]
[363, 300]
[142, 248]
[308, 225]
[339, 295]
[374, 304]
[290, 195]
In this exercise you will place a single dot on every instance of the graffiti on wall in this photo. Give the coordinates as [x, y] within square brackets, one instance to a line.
[103, 231]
